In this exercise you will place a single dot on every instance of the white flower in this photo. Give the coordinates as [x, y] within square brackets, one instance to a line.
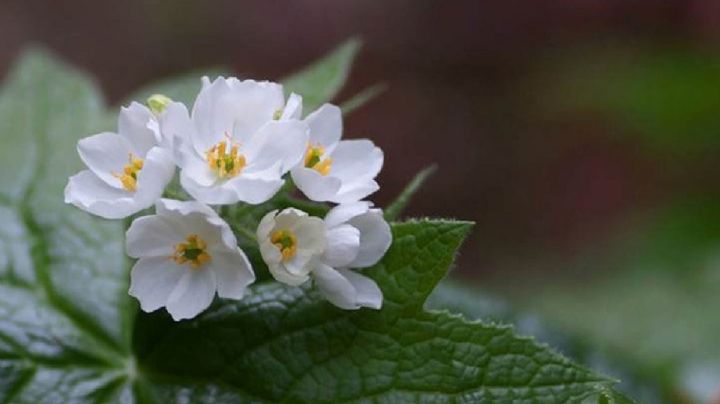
[334, 170]
[186, 253]
[291, 242]
[238, 145]
[297, 247]
[127, 172]
[358, 237]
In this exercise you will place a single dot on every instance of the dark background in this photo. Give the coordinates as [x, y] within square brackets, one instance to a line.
[566, 129]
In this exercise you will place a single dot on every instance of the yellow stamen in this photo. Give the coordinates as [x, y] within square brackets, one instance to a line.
[223, 164]
[277, 114]
[314, 159]
[128, 178]
[194, 251]
[286, 242]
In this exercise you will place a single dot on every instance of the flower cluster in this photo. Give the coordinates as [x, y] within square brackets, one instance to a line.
[237, 145]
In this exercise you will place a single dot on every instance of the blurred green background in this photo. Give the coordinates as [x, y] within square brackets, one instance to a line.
[582, 137]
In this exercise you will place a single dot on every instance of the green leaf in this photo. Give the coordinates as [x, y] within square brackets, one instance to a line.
[285, 344]
[395, 209]
[321, 81]
[64, 312]
[474, 303]
[362, 98]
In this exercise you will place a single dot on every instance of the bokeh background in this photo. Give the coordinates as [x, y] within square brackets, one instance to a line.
[582, 137]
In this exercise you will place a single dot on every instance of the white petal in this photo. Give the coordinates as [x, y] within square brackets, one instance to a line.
[281, 275]
[288, 218]
[193, 294]
[375, 238]
[253, 190]
[325, 125]
[270, 253]
[368, 292]
[240, 188]
[236, 108]
[343, 213]
[133, 125]
[89, 193]
[152, 279]
[213, 194]
[300, 264]
[266, 225]
[167, 207]
[193, 165]
[256, 103]
[356, 160]
[314, 185]
[158, 169]
[355, 191]
[335, 287]
[175, 124]
[152, 236]
[233, 273]
[206, 114]
[277, 141]
[271, 173]
[310, 233]
[105, 154]
[293, 107]
[343, 243]
[191, 217]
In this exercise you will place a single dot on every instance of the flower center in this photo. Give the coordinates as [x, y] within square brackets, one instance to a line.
[314, 159]
[224, 164]
[128, 178]
[193, 250]
[286, 242]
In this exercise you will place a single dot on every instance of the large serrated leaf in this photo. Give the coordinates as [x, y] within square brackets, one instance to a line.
[286, 345]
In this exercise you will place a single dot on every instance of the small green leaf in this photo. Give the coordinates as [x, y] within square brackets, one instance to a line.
[362, 98]
[321, 81]
[395, 209]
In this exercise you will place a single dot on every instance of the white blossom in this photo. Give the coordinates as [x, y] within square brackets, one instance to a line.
[240, 140]
[358, 237]
[336, 170]
[297, 247]
[127, 171]
[186, 253]
[291, 242]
